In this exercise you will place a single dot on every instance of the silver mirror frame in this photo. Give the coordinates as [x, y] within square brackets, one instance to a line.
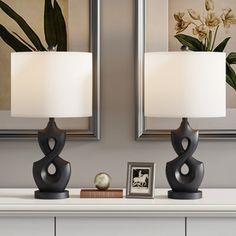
[93, 132]
[141, 132]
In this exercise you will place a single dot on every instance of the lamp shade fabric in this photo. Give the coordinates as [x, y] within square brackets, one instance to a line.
[184, 84]
[51, 84]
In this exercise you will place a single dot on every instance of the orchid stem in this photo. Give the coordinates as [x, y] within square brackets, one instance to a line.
[214, 40]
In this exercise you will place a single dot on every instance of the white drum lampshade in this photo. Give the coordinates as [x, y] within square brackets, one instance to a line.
[51, 84]
[184, 84]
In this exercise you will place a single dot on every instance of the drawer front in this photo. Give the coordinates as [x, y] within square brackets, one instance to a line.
[75, 226]
[211, 226]
[26, 226]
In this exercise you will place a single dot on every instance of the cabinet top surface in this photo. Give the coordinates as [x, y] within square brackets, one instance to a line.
[214, 202]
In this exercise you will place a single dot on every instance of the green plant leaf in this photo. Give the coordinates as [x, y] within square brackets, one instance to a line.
[222, 45]
[49, 26]
[60, 26]
[231, 58]
[24, 42]
[192, 43]
[230, 76]
[12, 41]
[209, 41]
[229, 81]
[24, 26]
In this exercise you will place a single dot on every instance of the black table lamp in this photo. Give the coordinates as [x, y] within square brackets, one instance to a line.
[184, 85]
[51, 85]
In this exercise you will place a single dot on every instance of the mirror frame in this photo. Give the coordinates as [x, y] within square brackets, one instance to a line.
[93, 131]
[141, 132]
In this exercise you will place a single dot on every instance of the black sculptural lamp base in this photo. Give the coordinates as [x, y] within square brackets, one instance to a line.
[51, 186]
[184, 186]
[51, 195]
[184, 195]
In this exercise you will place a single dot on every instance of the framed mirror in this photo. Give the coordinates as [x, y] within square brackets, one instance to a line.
[155, 31]
[82, 18]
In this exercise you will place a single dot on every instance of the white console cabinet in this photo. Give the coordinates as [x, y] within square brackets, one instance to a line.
[120, 226]
[26, 226]
[22, 215]
[211, 226]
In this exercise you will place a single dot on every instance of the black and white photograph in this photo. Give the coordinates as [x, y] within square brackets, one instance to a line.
[140, 180]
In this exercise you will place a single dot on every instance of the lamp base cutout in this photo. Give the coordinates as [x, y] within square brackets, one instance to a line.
[51, 195]
[184, 195]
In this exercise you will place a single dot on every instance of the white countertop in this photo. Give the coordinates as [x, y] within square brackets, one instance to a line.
[215, 202]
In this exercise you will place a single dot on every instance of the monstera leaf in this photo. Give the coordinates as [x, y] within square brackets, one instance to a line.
[54, 29]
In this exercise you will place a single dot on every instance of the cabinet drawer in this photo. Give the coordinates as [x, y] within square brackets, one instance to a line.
[26, 226]
[211, 226]
[120, 226]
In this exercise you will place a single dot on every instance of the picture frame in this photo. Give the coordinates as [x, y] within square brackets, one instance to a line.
[76, 128]
[159, 128]
[140, 180]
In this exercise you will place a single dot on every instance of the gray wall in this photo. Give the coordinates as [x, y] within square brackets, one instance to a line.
[117, 145]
